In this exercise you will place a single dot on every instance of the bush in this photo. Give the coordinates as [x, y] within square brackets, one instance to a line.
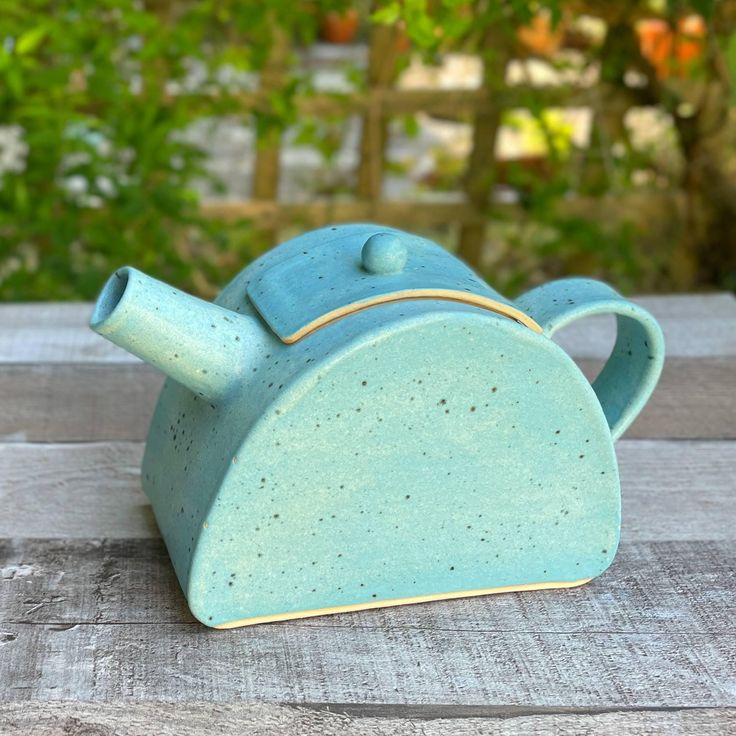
[94, 171]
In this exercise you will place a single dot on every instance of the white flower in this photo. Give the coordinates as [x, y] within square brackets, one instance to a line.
[76, 184]
[126, 156]
[77, 158]
[134, 43]
[13, 149]
[106, 186]
[92, 201]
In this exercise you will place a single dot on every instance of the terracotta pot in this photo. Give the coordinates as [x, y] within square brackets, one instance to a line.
[340, 27]
[540, 37]
[671, 51]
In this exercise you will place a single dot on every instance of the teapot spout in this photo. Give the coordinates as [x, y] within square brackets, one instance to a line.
[200, 345]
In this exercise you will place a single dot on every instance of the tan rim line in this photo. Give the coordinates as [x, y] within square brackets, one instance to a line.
[271, 618]
[475, 300]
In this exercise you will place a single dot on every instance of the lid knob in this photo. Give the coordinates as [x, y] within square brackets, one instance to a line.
[384, 253]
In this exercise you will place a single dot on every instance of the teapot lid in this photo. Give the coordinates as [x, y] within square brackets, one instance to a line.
[375, 265]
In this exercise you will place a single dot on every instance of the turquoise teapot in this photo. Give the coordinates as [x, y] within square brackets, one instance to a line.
[359, 420]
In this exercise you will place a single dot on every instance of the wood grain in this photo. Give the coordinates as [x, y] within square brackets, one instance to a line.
[40, 333]
[693, 399]
[267, 719]
[73, 403]
[89, 490]
[328, 664]
[95, 635]
[672, 490]
[652, 588]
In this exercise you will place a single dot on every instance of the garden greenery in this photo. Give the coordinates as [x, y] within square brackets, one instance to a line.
[96, 169]
[95, 96]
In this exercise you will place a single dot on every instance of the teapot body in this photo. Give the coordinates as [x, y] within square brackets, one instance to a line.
[418, 448]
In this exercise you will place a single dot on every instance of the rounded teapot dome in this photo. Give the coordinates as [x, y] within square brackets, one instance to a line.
[327, 274]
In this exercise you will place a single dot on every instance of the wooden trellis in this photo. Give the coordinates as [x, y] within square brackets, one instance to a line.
[375, 105]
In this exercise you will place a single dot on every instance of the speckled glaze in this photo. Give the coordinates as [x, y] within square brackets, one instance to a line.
[402, 450]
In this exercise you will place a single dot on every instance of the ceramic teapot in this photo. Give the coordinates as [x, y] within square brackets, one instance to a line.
[359, 420]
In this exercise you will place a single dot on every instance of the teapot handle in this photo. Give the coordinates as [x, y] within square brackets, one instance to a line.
[634, 366]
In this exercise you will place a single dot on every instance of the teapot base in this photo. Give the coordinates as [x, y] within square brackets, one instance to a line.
[291, 615]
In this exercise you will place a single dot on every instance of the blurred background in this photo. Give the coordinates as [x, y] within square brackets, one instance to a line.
[535, 139]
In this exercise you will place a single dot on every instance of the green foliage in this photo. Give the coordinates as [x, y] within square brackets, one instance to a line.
[432, 24]
[545, 234]
[94, 170]
[731, 63]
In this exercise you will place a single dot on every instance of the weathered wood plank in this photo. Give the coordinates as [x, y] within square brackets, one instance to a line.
[267, 719]
[327, 664]
[652, 588]
[693, 399]
[53, 333]
[72, 403]
[695, 325]
[89, 582]
[87, 402]
[63, 382]
[672, 490]
[90, 490]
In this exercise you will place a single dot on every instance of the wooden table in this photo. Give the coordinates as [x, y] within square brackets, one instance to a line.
[95, 636]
